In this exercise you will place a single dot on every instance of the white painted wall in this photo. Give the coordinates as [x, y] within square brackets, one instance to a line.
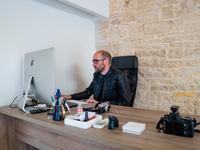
[28, 25]
[99, 8]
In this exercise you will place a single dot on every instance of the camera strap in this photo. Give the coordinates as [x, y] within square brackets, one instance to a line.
[196, 124]
[159, 123]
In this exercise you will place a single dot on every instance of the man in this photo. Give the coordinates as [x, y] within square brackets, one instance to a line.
[109, 84]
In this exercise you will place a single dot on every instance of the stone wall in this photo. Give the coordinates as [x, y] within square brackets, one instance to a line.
[165, 36]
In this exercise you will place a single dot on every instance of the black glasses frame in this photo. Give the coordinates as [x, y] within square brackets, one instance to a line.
[97, 60]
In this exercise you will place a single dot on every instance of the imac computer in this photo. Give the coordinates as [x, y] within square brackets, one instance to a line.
[39, 78]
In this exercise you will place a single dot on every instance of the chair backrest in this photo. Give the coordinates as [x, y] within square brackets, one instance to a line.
[128, 65]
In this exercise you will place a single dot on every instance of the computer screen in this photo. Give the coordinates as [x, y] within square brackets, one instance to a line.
[39, 77]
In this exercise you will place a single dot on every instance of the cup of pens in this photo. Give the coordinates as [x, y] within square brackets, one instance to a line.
[58, 108]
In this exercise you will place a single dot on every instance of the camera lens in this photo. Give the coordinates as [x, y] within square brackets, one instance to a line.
[174, 108]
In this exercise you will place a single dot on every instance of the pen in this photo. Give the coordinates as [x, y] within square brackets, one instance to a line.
[52, 100]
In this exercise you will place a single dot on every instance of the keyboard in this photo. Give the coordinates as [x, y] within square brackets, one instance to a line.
[38, 110]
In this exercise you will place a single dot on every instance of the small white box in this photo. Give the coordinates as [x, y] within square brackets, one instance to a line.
[81, 124]
[133, 127]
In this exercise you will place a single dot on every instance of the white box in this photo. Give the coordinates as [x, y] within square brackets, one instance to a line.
[133, 127]
[81, 124]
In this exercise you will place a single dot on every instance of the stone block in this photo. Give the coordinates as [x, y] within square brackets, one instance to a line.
[188, 87]
[141, 95]
[115, 15]
[115, 5]
[191, 63]
[188, 19]
[161, 46]
[117, 32]
[169, 39]
[155, 73]
[185, 94]
[143, 86]
[193, 53]
[146, 80]
[151, 53]
[187, 37]
[141, 2]
[189, 25]
[182, 81]
[156, 4]
[181, 100]
[116, 41]
[104, 47]
[172, 1]
[132, 39]
[187, 3]
[126, 52]
[187, 109]
[122, 46]
[177, 44]
[167, 12]
[162, 88]
[164, 80]
[197, 81]
[145, 62]
[100, 35]
[180, 12]
[149, 15]
[159, 96]
[150, 41]
[148, 103]
[165, 64]
[197, 110]
[128, 16]
[158, 27]
[143, 7]
[194, 44]
[116, 22]
[164, 106]
[130, 5]
[101, 25]
[97, 43]
[187, 72]
[176, 53]
[134, 30]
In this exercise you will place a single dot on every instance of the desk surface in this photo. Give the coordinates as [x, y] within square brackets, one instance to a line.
[149, 139]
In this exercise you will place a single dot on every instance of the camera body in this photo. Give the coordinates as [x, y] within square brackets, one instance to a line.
[175, 124]
[103, 107]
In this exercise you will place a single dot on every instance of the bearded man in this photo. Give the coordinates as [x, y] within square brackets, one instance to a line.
[109, 84]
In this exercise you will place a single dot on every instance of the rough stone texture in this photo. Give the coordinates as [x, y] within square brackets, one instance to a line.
[165, 36]
[157, 27]
[176, 53]
[193, 53]
[128, 16]
[167, 12]
[149, 15]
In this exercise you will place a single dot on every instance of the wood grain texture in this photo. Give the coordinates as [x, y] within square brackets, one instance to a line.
[43, 133]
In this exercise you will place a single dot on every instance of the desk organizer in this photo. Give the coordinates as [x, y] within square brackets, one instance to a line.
[81, 124]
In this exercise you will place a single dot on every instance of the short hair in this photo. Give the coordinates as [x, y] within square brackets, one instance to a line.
[105, 54]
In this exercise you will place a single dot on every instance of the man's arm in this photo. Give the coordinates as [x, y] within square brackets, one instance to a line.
[123, 90]
[83, 95]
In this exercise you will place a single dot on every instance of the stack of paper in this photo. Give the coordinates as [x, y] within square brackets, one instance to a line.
[133, 127]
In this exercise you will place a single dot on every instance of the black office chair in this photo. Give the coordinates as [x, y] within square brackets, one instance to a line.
[128, 65]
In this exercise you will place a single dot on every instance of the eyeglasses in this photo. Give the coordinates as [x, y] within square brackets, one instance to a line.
[97, 60]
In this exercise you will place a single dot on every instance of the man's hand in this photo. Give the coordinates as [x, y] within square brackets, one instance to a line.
[91, 101]
[67, 96]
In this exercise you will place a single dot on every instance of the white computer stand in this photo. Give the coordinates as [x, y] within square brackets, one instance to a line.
[23, 98]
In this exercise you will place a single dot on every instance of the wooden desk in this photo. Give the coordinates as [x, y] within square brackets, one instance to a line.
[27, 131]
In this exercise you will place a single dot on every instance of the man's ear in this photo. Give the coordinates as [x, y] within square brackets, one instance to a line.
[107, 61]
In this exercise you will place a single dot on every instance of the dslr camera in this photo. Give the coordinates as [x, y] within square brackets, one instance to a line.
[176, 125]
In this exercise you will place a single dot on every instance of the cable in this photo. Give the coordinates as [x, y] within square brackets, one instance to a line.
[13, 102]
